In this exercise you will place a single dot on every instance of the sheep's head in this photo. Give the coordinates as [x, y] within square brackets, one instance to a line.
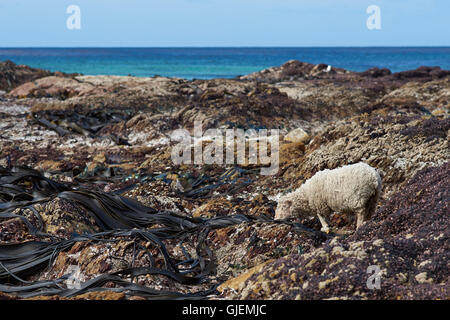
[284, 209]
[292, 205]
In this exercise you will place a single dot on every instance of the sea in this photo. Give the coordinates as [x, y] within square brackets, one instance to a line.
[207, 63]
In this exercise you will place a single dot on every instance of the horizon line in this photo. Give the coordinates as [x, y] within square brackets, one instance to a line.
[216, 47]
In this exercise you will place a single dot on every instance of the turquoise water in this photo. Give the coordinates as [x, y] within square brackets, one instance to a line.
[206, 63]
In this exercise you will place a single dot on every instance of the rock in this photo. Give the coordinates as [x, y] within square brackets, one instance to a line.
[294, 70]
[50, 165]
[238, 282]
[100, 158]
[423, 278]
[4, 296]
[214, 207]
[100, 295]
[291, 152]
[441, 112]
[12, 75]
[430, 95]
[63, 218]
[422, 73]
[297, 135]
[52, 86]
[376, 72]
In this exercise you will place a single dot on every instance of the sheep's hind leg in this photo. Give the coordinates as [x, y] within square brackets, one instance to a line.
[360, 217]
[324, 223]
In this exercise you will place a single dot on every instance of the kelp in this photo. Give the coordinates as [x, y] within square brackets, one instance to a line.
[23, 259]
[88, 123]
[203, 186]
[23, 188]
[84, 122]
[119, 218]
[99, 172]
[50, 288]
[18, 177]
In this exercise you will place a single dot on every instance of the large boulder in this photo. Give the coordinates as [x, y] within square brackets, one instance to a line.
[52, 87]
[13, 75]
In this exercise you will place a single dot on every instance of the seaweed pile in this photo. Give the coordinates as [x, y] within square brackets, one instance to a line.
[118, 217]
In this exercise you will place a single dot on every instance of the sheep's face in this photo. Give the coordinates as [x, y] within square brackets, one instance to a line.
[284, 209]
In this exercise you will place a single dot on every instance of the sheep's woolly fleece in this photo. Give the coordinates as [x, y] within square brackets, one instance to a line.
[349, 189]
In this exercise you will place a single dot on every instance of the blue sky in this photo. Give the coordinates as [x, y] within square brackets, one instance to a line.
[179, 23]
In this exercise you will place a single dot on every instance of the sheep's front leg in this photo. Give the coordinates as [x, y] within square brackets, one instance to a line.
[324, 223]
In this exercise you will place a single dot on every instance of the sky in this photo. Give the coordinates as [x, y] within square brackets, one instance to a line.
[223, 23]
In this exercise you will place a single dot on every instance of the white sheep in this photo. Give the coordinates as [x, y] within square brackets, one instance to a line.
[351, 189]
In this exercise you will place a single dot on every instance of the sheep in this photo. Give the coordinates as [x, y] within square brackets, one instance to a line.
[351, 189]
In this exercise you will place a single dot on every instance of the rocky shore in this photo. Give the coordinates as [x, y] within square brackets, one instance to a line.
[110, 135]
